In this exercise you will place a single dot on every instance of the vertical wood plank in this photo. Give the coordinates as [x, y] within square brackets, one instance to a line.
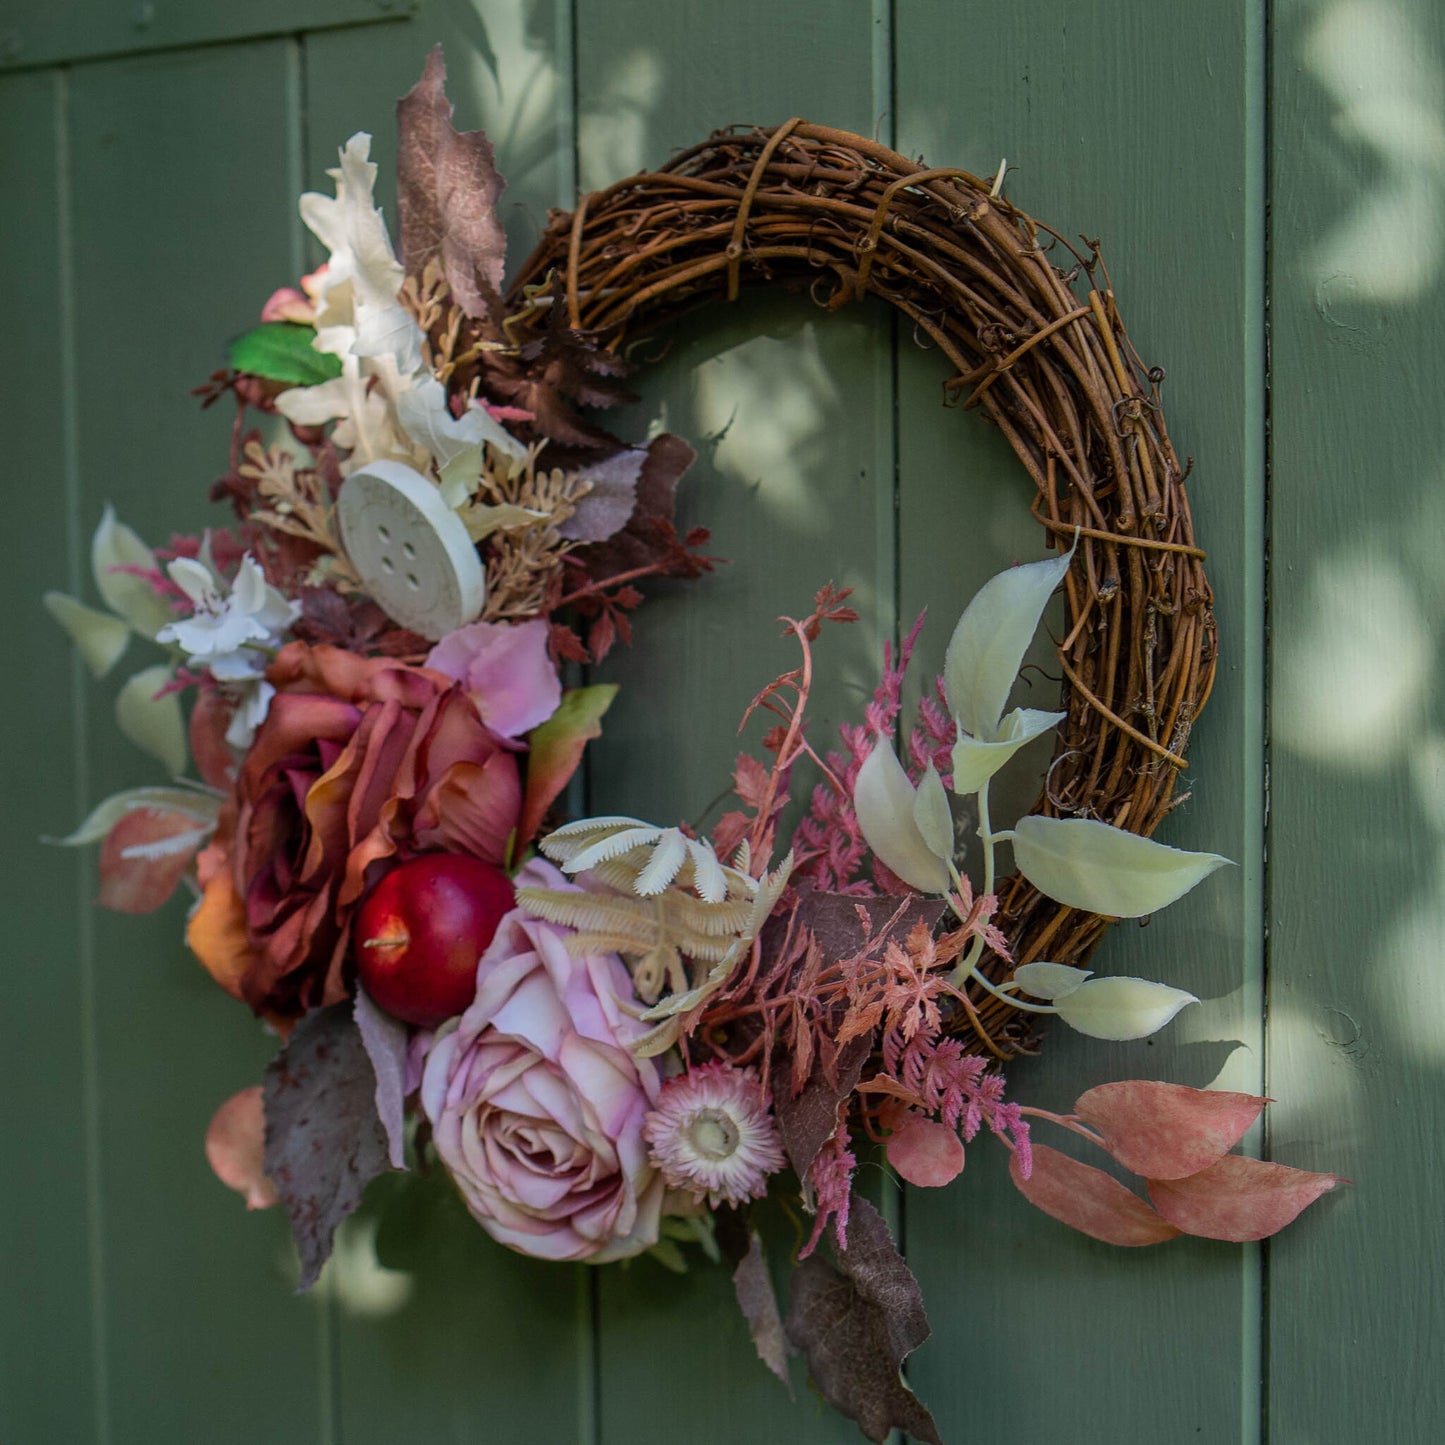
[792, 415]
[48, 1382]
[180, 194]
[1145, 134]
[459, 1339]
[1358, 832]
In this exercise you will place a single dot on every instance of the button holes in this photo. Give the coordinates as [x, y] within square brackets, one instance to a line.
[384, 533]
[387, 565]
[412, 582]
[408, 551]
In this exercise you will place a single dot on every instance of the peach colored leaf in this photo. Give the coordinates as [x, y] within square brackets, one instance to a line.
[1239, 1199]
[1089, 1200]
[235, 1143]
[1167, 1131]
[925, 1152]
[556, 749]
[145, 855]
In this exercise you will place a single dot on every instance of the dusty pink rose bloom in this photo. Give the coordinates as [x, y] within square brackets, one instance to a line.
[505, 669]
[536, 1103]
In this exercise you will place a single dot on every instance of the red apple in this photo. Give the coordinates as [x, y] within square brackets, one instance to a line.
[420, 932]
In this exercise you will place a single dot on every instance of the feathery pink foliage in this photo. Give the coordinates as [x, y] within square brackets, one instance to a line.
[832, 1180]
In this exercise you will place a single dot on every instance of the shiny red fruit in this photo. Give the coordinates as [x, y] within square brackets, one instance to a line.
[420, 932]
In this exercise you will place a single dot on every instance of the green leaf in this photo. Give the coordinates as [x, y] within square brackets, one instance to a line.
[883, 799]
[988, 644]
[1121, 1008]
[115, 547]
[556, 749]
[154, 723]
[1087, 864]
[99, 637]
[975, 762]
[282, 351]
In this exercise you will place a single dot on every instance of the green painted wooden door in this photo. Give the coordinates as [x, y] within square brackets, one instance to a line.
[1269, 182]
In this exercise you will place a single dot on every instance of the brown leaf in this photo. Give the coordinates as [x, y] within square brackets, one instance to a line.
[324, 1140]
[742, 1246]
[856, 1321]
[145, 880]
[641, 543]
[447, 189]
[807, 1121]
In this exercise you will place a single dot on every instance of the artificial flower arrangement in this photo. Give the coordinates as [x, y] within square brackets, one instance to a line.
[613, 1036]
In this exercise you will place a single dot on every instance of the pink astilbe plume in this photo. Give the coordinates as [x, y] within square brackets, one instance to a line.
[832, 1179]
[829, 840]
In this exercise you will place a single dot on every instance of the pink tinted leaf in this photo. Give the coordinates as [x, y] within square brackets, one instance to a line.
[925, 1152]
[1167, 1131]
[1239, 1199]
[235, 1144]
[145, 855]
[1089, 1200]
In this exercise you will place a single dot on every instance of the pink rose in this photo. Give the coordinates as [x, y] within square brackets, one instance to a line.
[536, 1103]
[505, 669]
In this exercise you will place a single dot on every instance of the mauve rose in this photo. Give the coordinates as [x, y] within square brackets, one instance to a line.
[359, 760]
[506, 669]
[536, 1103]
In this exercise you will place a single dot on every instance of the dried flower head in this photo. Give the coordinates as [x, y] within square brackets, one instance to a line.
[712, 1135]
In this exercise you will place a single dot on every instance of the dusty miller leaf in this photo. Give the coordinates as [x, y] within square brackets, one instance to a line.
[447, 190]
[324, 1141]
[856, 1321]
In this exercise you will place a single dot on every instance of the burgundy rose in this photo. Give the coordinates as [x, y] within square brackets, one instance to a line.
[359, 761]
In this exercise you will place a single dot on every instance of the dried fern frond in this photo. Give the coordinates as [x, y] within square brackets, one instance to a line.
[523, 561]
[655, 857]
[300, 506]
[442, 322]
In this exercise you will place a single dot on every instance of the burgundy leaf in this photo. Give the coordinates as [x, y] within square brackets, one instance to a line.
[1089, 1200]
[447, 189]
[640, 543]
[1167, 1131]
[324, 1141]
[925, 1152]
[235, 1146]
[385, 1038]
[142, 882]
[1239, 1199]
[856, 1320]
[806, 1122]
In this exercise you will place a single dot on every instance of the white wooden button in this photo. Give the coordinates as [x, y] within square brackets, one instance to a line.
[411, 551]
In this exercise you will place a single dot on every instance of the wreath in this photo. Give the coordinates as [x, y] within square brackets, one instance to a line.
[617, 1037]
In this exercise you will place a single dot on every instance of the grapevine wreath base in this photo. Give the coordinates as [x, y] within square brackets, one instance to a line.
[617, 1038]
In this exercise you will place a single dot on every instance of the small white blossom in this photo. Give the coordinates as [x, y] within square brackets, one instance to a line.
[233, 636]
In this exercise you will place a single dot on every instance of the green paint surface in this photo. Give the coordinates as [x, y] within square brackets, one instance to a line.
[154, 171]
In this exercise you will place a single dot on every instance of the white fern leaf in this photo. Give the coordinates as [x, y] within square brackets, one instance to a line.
[709, 880]
[667, 857]
[611, 845]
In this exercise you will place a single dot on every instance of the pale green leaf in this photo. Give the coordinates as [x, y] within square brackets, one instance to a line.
[932, 816]
[200, 806]
[1051, 981]
[883, 799]
[128, 596]
[988, 644]
[154, 724]
[1121, 1008]
[975, 762]
[1087, 864]
[99, 637]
